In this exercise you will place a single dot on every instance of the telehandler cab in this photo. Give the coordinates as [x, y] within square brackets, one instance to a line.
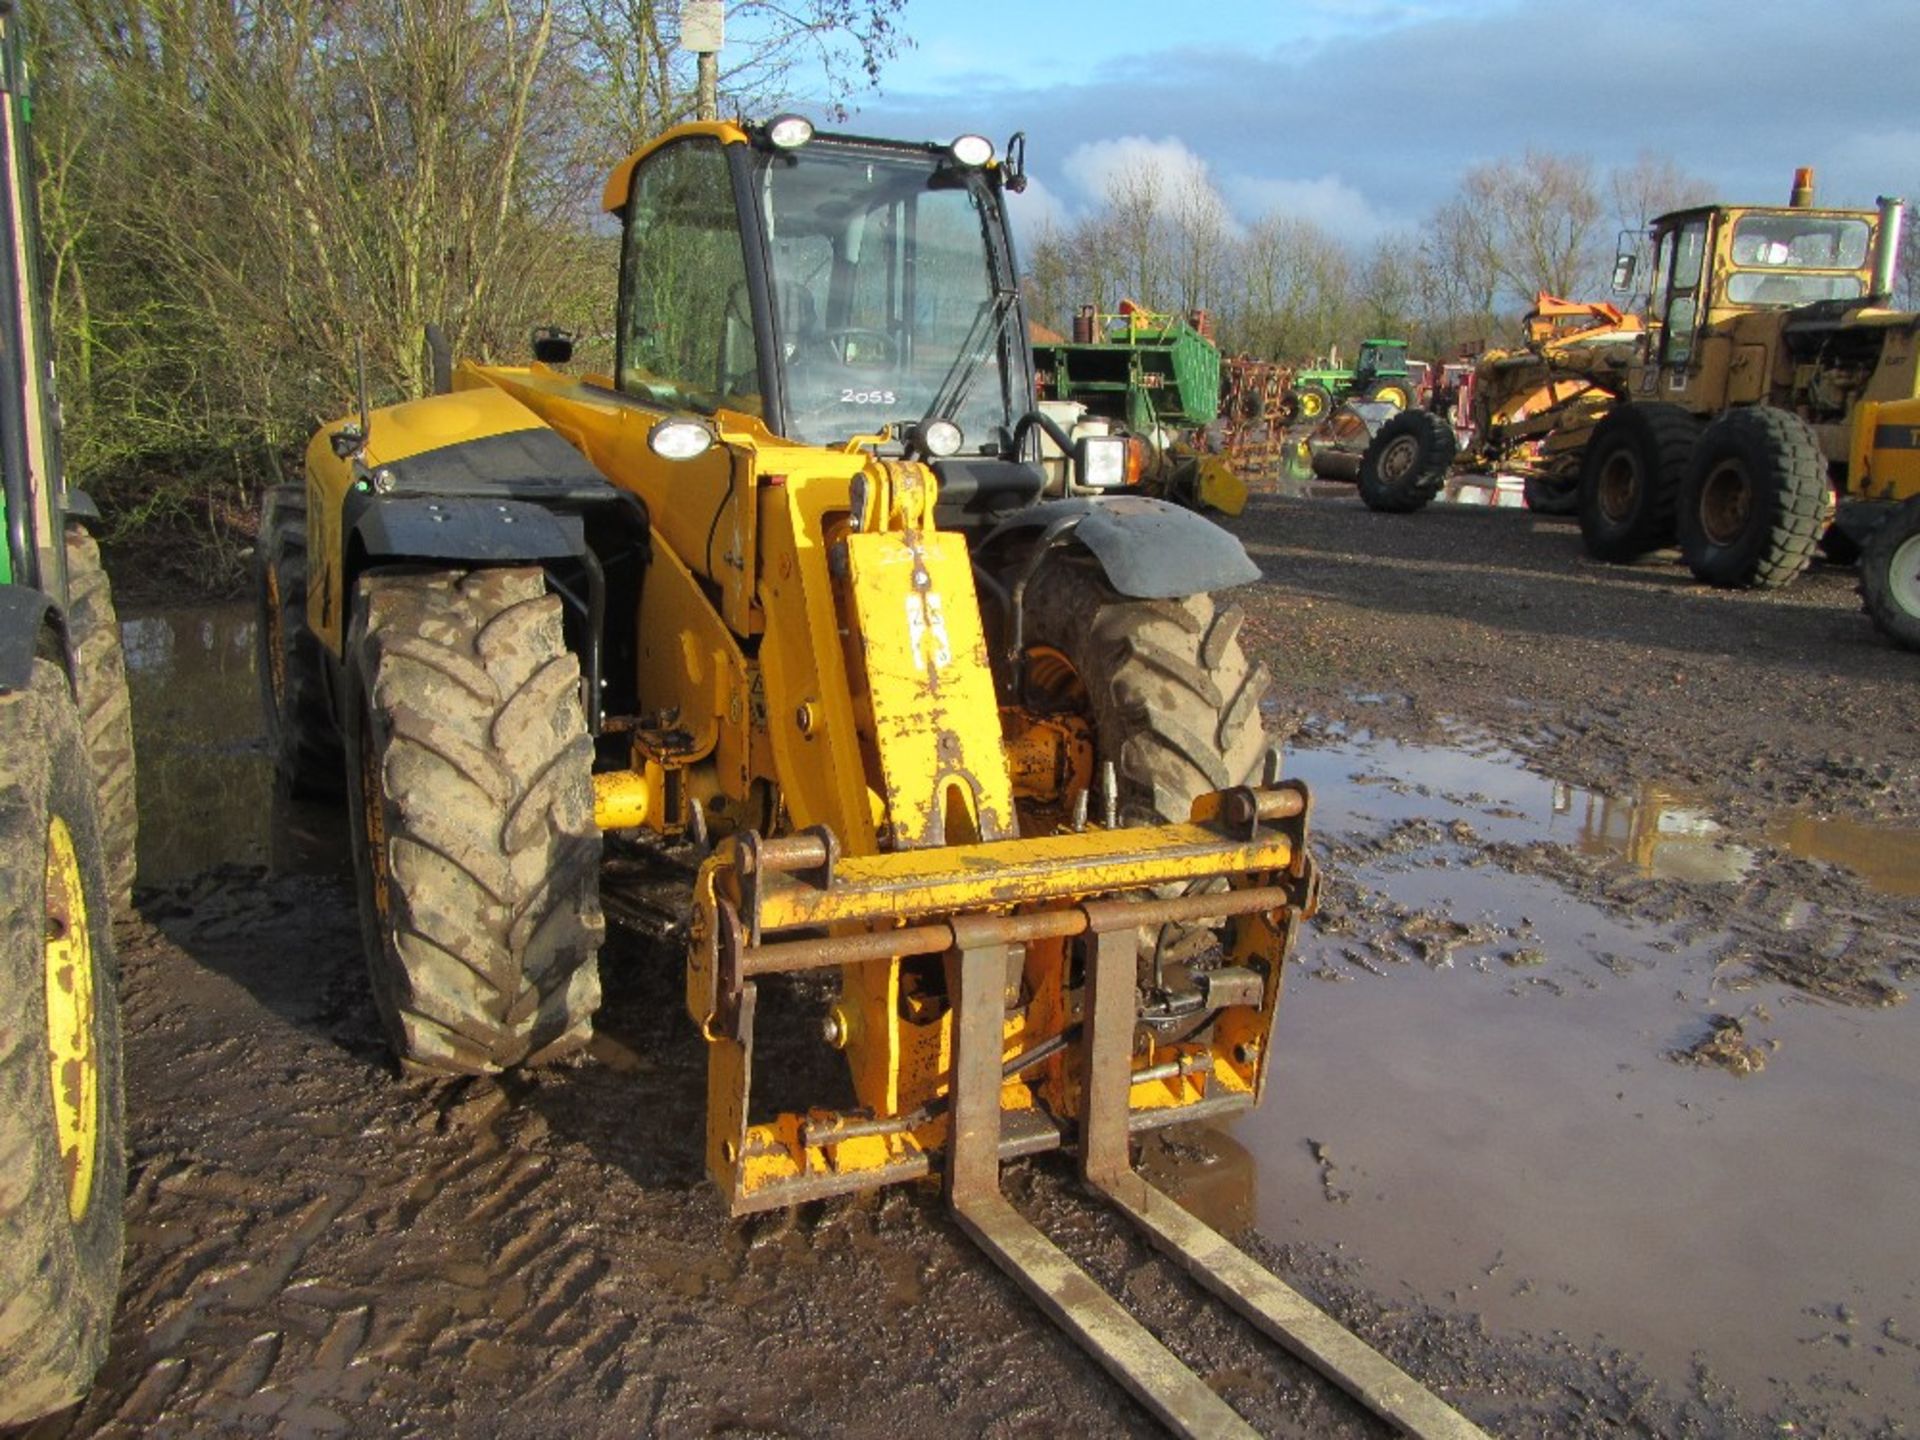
[789, 586]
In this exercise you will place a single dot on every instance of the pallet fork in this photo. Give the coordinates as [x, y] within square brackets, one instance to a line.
[1146, 1368]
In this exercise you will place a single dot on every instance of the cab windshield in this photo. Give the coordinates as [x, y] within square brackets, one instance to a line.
[1778, 259]
[884, 295]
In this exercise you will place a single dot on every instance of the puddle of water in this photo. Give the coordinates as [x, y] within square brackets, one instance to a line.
[207, 793]
[1661, 831]
[1518, 1142]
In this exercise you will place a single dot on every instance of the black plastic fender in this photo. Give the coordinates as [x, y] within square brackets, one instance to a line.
[1149, 549]
[447, 527]
[29, 625]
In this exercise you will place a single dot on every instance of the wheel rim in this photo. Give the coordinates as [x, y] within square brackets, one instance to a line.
[1904, 579]
[276, 652]
[1726, 501]
[72, 1044]
[1393, 395]
[1619, 487]
[1398, 460]
[1311, 404]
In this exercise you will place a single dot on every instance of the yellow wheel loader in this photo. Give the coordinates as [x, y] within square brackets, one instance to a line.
[791, 586]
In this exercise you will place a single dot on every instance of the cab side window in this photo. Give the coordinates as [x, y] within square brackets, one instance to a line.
[686, 319]
[1682, 318]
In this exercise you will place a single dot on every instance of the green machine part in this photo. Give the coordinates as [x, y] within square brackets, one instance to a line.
[1149, 371]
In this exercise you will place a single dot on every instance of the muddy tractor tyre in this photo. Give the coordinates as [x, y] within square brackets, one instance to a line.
[1553, 494]
[1890, 576]
[62, 1149]
[1630, 479]
[1311, 403]
[106, 709]
[1173, 701]
[475, 849]
[302, 735]
[1397, 393]
[1756, 500]
[1407, 462]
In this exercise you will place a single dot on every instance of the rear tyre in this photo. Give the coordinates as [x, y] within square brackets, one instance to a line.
[302, 735]
[106, 710]
[1407, 462]
[62, 1152]
[1630, 479]
[1553, 494]
[1172, 699]
[1890, 576]
[1397, 393]
[475, 850]
[1756, 500]
[1312, 402]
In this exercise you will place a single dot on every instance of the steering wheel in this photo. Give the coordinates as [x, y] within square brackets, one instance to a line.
[854, 345]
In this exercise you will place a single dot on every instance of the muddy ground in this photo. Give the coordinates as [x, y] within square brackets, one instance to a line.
[1595, 1107]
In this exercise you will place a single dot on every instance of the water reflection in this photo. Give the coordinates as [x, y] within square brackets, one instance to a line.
[1659, 829]
[207, 793]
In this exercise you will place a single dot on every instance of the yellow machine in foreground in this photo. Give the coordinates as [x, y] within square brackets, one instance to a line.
[789, 586]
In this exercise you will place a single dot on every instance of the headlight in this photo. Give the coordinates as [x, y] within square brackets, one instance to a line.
[972, 151]
[789, 132]
[942, 438]
[679, 439]
[1102, 461]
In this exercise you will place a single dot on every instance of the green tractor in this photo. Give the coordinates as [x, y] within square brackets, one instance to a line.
[66, 854]
[1380, 374]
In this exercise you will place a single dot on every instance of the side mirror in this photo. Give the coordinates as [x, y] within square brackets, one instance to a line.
[1624, 265]
[1100, 462]
[552, 345]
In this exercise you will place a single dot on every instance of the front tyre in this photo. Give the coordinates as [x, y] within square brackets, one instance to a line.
[1890, 576]
[1756, 500]
[1312, 402]
[1407, 462]
[474, 844]
[62, 1152]
[1172, 700]
[1630, 478]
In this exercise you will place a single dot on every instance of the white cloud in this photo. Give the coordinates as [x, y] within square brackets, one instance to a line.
[1328, 202]
[1094, 167]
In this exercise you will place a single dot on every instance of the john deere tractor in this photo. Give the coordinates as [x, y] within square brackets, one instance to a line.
[789, 587]
[1379, 374]
[66, 854]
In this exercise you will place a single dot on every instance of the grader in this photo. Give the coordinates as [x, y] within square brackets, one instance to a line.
[1774, 380]
[786, 587]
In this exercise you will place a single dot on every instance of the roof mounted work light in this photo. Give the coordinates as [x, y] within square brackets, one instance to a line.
[789, 132]
[972, 151]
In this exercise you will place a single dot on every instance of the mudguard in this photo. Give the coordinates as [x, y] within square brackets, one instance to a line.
[1148, 549]
[447, 527]
[26, 614]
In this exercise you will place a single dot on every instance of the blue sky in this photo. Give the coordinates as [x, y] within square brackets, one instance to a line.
[1362, 114]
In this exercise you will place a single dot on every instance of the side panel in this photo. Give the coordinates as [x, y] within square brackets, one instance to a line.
[1886, 451]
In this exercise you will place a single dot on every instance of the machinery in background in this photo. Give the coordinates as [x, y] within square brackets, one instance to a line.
[1380, 374]
[1150, 376]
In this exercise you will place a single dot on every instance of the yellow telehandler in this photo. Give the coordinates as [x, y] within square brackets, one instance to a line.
[791, 586]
